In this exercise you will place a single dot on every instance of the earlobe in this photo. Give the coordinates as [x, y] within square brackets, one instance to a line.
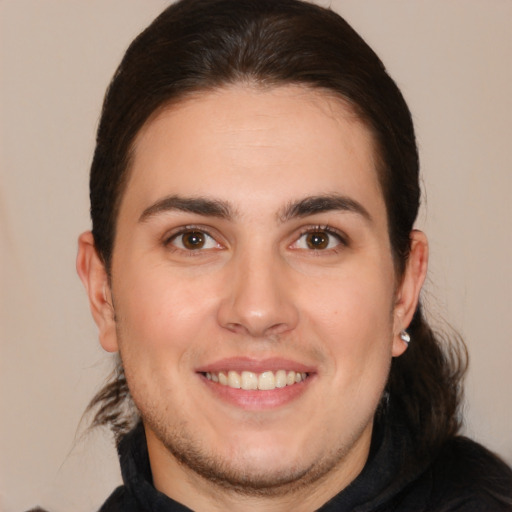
[93, 274]
[408, 293]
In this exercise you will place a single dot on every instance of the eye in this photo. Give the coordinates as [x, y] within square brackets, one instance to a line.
[319, 239]
[193, 240]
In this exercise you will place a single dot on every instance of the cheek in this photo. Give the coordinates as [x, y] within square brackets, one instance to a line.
[352, 315]
[358, 340]
[159, 312]
[159, 320]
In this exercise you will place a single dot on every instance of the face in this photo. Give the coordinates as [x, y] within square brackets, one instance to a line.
[256, 304]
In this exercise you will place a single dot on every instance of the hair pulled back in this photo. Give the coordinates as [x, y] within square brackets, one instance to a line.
[200, 45]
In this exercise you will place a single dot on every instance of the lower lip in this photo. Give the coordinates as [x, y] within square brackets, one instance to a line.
[253, 400]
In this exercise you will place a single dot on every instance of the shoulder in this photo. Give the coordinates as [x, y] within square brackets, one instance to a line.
[467, 476]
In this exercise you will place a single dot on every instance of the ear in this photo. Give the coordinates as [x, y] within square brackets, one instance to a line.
[92, 272]
[408, 292]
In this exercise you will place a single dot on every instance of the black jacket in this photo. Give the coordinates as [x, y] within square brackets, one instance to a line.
[463, 476]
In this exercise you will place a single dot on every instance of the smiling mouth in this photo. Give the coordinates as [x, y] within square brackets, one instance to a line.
[264, 381]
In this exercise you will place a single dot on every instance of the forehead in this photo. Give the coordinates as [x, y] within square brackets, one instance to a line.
[264, 142]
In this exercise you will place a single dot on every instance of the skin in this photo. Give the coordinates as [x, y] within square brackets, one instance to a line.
[253, 293]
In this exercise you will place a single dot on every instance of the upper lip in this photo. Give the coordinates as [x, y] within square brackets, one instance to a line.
[240, 364]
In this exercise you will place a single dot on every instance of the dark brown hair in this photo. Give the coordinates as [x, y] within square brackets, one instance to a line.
[200, 45]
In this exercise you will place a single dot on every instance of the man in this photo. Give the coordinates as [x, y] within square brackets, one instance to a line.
[254, 263]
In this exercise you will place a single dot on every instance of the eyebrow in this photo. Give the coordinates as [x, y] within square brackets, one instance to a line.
[197, 205]
[323, 203]
[217, 208]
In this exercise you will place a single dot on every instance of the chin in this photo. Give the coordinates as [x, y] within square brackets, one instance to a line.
[257, 463]
[269, 456]
[253, 471]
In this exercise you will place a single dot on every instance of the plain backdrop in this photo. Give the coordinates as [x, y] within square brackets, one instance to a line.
[452, 60]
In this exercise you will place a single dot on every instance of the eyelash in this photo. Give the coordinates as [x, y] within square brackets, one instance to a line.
[329, 231]
[167, 241]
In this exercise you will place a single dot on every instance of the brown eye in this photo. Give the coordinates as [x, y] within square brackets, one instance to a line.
[317, 240]
[193, 240]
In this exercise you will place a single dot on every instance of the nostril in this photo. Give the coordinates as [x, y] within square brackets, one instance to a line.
[236, 328]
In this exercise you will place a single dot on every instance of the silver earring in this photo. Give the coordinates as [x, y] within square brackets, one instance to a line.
[404, 336]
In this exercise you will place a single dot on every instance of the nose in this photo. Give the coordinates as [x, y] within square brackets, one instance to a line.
[259, 299]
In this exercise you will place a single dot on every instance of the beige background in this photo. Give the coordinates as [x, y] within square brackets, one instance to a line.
[453, 62]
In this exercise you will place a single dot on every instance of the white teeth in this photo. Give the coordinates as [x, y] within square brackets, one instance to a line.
[252, 381]
[234, 380]
[280, 379]
[249, 380]
[266, 381]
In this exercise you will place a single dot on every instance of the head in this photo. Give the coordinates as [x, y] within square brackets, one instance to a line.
[263, 43]
[233, 117]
